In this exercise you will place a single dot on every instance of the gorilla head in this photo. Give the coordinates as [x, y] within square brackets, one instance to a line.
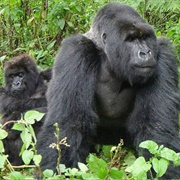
[128, 41]
[21, 76]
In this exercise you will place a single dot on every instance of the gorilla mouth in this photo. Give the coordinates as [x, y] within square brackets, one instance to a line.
[18, 92]
[144, 69]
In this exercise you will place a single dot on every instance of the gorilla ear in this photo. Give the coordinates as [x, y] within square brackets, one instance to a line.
[104, 37]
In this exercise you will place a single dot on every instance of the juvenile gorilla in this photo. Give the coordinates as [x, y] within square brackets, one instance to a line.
[116, 81]
[24, 90]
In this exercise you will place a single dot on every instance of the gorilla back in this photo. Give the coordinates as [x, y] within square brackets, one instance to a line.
[116, 81]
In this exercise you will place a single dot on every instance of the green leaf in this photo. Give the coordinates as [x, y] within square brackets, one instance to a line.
[32, 115]
[30, 121]
[26, 138]
[3, 159]
[71, 172]
[89, 176]
[61, 23]
[16, 176]
[140, 168]
[129, 159]
[168, 154]
[27, 156]
[160, 166]
[62, 168]
[48, 173]
[70, 24]
[150, 145]
[22, 149]
[1, 147]
[116, 174]
[3, 134]
[32, 133]
[18, 126]
[2, 11]
[106, 151]
[51, 45]
[30, 21]
[37, 159]
[78, 8]
[2, 58]
[82, 167]
[98, 166]
[140, 176]
[177, 160]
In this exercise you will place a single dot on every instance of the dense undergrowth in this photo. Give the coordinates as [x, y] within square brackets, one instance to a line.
[112, 162]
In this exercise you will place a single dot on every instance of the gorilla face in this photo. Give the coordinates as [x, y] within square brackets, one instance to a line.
[130, 45]
[16, 82]
[21, 77]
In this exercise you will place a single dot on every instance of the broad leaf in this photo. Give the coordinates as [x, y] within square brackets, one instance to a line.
[27, 156]
[3, 134]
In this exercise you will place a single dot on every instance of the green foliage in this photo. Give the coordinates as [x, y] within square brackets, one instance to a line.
[140, 168]
[28, 151]
[3, 134]
[3, 157]
[48, 173]
[38, 27]
[114, 162]
[131, 168]
[98, 166]
[173, 32]
[16, 176]
[162, 157]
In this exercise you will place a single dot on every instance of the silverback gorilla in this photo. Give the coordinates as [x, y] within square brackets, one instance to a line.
[116, 81]
[24, 90]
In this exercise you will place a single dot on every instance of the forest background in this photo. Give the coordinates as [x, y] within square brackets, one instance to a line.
[37, 27]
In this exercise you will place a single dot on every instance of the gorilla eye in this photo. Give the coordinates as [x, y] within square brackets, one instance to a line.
[130, 38]
[104, 36]
[20, 74]
[11, 76]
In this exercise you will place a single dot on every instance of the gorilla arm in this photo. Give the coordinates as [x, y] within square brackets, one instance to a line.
[71, 102]
[156, 108]
[46, 74]
[11, 104]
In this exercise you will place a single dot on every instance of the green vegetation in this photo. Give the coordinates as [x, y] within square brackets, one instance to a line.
[38, 28]
[114, 162]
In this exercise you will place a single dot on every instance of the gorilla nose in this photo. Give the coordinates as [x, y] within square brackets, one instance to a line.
[145, 59]
[16, 84]
[145, 55]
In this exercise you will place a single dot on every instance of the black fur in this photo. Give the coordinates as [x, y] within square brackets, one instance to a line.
[116, 81]
[46, 74]
[27, 93]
